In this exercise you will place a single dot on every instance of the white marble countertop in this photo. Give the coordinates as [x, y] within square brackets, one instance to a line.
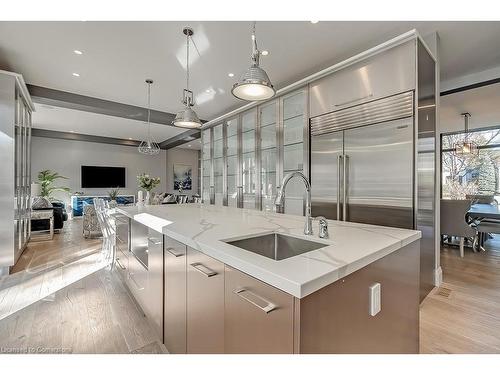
[351, 246]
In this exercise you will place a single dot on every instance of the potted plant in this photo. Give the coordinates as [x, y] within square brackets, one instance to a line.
[46, 180]
[147, 183]
[113, 193]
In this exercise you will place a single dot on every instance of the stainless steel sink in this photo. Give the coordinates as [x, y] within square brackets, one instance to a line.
[276, 246]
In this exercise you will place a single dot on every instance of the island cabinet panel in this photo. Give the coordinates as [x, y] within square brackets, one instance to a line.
[154, 303]
[258, 317]
[174, 328]
[205, 303]
[137, 281]
[336, 318]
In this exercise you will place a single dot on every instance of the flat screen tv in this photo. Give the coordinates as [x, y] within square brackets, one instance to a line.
[103, 177]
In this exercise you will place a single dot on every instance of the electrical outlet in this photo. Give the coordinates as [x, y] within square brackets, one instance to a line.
[375, 299]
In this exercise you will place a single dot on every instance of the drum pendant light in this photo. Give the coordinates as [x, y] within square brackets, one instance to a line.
[254, 84]
[187, 117]
[149, 146]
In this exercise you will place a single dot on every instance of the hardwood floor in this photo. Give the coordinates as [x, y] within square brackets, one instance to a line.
[92, 315]
[463, 315]
[65, 247]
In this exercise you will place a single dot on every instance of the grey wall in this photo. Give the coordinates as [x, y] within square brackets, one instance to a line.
[66, 158]
[184, 156]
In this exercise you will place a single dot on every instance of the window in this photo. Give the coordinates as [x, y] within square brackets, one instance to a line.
[470, 174]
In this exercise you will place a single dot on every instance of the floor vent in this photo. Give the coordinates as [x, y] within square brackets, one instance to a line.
[445, 292]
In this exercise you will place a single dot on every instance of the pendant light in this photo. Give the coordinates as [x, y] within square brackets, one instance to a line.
[187, 117]
[466, 147]
[149, 146]
[254, 84]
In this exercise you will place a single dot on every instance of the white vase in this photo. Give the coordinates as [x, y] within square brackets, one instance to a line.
[147, 202]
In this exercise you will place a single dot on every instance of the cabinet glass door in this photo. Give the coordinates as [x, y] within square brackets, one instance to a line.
[206, 166]
[232, 162]
[268, 152]
[218, 160]
[293, 149]
[248, 122]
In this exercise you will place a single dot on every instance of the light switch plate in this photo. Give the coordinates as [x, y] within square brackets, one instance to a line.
[375, 299]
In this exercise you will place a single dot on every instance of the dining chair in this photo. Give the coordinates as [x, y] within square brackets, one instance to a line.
[107, 229]
[453, 221]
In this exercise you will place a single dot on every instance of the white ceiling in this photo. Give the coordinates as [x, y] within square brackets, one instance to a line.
[69, 120]
[119, 56]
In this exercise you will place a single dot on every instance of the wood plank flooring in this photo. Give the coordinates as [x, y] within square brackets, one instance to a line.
[463, 315]
[64, 248]
[92, 315]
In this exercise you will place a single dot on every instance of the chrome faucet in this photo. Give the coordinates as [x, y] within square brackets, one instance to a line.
[279, 202]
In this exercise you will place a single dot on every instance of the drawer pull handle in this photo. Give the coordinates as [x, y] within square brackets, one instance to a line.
[203, 269]
[119, 264]
[354, 100]
[255, 300]
[131, 277]
[155, 241]
[170, 250]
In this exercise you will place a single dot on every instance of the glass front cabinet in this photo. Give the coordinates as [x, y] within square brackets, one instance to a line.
[245, 157]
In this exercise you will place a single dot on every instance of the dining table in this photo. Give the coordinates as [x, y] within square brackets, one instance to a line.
[481, 211]
[489, 215]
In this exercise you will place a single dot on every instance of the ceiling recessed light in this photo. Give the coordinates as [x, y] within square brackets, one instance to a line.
[76, 75]
[189, 145]
[314, 21]
[130, 139]
[264, 53]
[207, 90]
[71, 131]
[231, 74]
[78, 52]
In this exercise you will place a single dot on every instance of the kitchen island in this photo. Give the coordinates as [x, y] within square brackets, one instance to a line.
[357, 292]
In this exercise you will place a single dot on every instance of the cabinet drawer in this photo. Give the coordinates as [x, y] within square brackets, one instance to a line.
[205, 303]
[154, 303]
[258, 317]
[174, 327]
[137, 280]
[388, 73]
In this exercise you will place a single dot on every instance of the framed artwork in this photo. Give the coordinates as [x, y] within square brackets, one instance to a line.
[183, 177]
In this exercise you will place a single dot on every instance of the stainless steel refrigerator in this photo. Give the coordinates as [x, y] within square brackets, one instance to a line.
[362, 163]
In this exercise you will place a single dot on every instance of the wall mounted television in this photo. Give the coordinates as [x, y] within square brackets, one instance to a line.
[102, 177]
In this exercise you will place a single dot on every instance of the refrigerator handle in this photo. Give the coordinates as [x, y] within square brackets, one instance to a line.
[345, 182]
[339, 176]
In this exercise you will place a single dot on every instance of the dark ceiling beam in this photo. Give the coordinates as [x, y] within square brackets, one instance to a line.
[57, 98]
[82, 137]
[180, 139]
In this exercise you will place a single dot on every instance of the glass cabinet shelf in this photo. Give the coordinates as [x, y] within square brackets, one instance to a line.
[245, 157]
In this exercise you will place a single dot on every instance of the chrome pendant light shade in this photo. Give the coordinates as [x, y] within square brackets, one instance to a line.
[187, 117]
[254, 84]
[148, 146]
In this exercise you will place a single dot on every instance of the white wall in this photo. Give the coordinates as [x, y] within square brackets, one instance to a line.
[482, 103]
[66, 157]
[184, 156]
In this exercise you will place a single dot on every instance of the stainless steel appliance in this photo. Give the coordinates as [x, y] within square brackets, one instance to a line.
[362, 163]
[372, 145]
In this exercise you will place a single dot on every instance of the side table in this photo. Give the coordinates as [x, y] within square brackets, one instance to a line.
[43, 235]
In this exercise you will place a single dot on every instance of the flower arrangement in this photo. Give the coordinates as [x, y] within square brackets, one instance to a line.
[147, 183]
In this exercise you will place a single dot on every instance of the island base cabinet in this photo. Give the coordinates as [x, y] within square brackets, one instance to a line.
[174, 327]
[205, 303]
[336, 319]
[259, 319]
